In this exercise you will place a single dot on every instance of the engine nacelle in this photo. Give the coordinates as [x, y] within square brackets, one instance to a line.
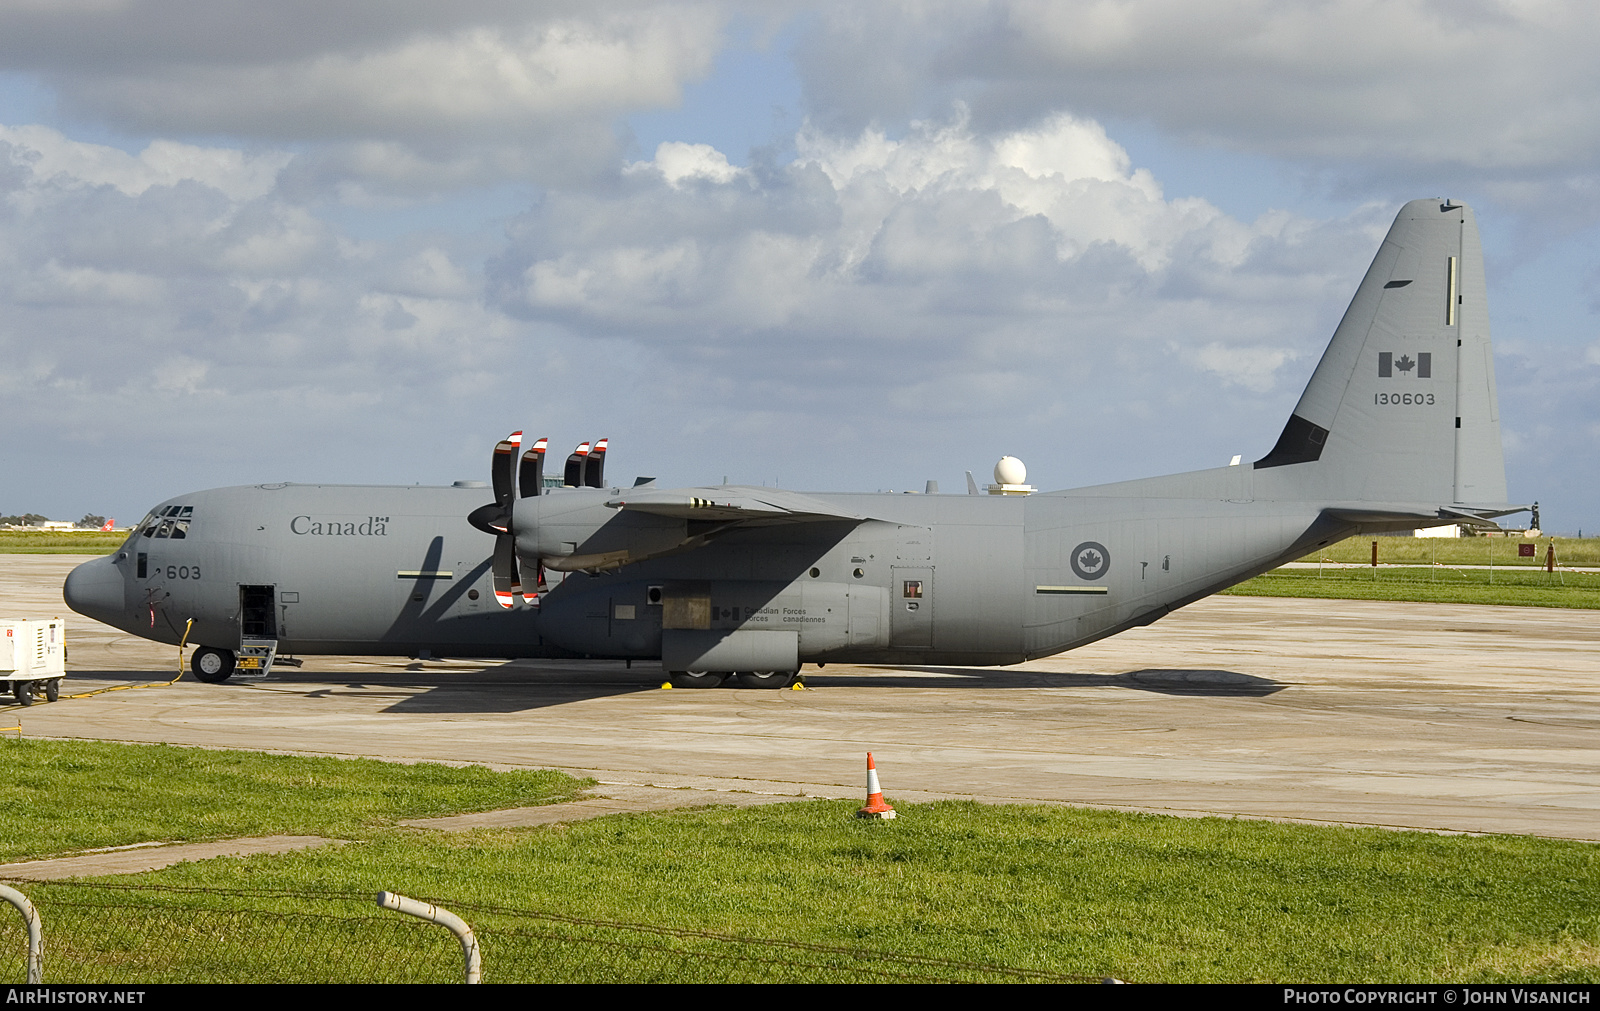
[572, 530]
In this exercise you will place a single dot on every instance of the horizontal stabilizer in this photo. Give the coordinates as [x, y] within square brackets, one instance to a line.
[1402, 514]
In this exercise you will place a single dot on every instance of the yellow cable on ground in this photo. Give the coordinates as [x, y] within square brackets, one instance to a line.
[150, 684]
[182, 642]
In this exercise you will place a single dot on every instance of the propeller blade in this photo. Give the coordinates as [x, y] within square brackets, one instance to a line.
[505, 452]
[574, 475]
[530, 477]
[595, 469]
[531, 596]
[506, 584]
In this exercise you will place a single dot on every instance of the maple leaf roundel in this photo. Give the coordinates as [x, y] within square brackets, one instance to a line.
[1090, 560]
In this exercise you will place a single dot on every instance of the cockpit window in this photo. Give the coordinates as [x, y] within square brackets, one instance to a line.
[167, 522]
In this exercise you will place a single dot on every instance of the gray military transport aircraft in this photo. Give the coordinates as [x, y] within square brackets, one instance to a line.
[1398, 428]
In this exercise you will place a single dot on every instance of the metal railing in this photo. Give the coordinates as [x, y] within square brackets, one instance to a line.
[123, 933]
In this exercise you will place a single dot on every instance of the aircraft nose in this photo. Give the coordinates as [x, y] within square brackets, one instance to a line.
[96, 589]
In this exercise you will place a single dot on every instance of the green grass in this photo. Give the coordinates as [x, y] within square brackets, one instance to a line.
[1515, 587]
[27, 542]
[63, 796]
[1048, 889]
[1060, 890]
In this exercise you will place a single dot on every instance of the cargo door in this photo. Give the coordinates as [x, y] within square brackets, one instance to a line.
[258, 612]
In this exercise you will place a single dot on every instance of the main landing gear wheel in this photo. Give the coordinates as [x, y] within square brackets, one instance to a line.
[23, 690]
[212, 665]
[697, 678]
[765, 678]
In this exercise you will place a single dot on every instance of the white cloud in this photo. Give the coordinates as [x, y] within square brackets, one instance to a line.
[1065, 170]
[1410, 80]
[409, 96]
[1253, 368]
[51, 283]
[940, 217]
[385, 102]
[475, 80]
[50, 158]
[941, 278]
[144, 299]
[677, 161]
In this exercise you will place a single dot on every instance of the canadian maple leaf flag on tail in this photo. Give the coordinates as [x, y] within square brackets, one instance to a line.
[1388, 365]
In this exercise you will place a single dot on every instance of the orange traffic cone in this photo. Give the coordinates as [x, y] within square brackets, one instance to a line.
[876, 808]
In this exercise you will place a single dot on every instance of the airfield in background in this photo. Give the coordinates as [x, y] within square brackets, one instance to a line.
[1437, 716]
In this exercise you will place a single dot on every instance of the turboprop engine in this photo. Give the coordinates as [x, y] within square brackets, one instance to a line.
[573, 530]
[576, 527]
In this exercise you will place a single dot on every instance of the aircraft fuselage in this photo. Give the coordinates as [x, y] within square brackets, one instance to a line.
[949, 579]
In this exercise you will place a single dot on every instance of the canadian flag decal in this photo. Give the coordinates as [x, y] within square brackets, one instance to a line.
[1421, 366]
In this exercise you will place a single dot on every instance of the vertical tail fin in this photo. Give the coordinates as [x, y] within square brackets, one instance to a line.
[1402, 406]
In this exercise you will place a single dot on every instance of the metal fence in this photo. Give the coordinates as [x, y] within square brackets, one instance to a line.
[104, 933]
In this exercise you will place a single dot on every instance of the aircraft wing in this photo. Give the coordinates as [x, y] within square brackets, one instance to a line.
[727, 505]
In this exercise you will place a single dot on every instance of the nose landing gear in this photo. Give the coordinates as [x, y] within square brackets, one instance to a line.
[212, 665]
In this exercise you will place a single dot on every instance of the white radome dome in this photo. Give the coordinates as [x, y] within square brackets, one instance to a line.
[1010, 471]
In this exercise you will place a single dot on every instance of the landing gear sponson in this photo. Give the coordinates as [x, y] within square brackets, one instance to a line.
[746, 679]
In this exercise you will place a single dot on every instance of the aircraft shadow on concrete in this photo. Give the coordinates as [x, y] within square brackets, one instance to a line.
[517, 687]
[1163, 681]
[507, 688]
[514, 688]
[469, 694]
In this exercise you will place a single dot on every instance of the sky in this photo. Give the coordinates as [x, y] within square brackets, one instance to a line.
[834, 247]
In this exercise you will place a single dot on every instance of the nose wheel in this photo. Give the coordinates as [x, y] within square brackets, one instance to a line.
[212, 665]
